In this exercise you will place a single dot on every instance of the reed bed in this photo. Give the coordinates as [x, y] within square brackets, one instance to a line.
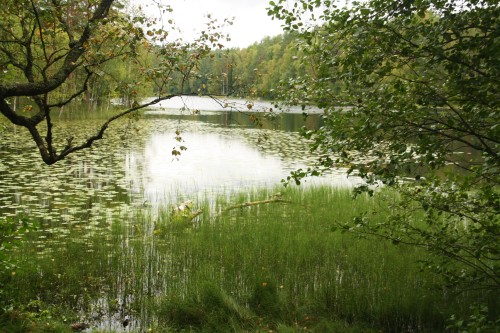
[244, 262]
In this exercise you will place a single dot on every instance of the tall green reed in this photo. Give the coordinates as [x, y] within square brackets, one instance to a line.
[267, 265]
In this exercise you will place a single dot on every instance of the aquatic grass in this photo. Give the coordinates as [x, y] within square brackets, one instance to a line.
[292, 246]
[252, 267]
[212, 310]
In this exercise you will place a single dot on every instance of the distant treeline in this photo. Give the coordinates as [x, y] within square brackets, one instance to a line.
[255, 71]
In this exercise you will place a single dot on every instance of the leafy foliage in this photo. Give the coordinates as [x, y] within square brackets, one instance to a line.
[411, 96]
[58, 51]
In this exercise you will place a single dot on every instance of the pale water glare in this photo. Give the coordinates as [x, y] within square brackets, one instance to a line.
[212, 163]
[219, 160]
[201, 104]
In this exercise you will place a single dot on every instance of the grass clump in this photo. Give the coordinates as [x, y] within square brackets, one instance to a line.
[265, 300]
[210, 311]
[34, 317]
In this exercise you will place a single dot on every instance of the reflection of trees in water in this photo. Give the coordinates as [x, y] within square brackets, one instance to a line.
[81, 185]
[289, 122]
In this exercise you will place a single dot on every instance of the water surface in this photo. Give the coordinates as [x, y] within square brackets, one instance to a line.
[226, 151]
[88, 203]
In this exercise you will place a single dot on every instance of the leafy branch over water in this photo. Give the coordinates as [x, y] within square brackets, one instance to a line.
[411, 98]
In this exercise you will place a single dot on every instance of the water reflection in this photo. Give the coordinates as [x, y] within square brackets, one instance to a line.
[235, 113]
[199, 103]
[218, 159]
[212, 162]
[87, 201]
[226, 151]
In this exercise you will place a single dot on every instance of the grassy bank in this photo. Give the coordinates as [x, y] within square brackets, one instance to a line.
[245, 263]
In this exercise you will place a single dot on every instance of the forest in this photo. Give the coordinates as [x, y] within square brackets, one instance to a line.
[253, 72]
[256, 71]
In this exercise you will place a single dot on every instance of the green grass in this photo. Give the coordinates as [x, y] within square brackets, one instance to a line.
[280, 266]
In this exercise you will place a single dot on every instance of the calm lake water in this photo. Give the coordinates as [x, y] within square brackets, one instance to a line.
[227, 150]
[88, 203]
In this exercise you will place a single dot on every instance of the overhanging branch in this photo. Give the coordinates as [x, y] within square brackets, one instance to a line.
[98, 136]
[77, 49]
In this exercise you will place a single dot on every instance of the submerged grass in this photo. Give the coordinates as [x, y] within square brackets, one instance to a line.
[276, 266]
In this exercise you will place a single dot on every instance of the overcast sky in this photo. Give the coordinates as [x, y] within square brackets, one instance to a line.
[251, 22]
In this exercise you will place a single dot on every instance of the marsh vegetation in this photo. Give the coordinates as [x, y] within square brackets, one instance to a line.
[106, 247]
[278, 266]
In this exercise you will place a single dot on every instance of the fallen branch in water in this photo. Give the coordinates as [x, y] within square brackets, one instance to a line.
[183, 211]
[256, 203]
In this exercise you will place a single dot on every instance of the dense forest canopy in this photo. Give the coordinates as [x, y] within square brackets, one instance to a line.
[255, 71]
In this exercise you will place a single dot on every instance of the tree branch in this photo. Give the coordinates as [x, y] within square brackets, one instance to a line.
[70, 62]
[98, 136]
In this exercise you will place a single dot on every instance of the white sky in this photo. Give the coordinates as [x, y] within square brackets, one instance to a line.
[251, 23]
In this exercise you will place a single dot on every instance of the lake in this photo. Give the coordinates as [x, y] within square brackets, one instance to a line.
[107, 244]
[226, 150]
[107, 249]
